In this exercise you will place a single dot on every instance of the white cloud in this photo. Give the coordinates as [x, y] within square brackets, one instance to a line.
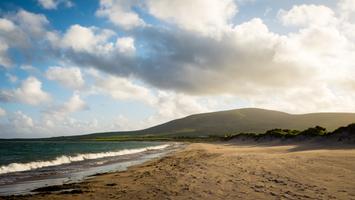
[96, 41]
[205, 16]
[21, 125]
[317, 97]
[123, 123]
[2, 112]
[126, 45]
[18, 124]
[48, 4]
[58, 115]
[53, 4]
[70, 77]
[168, 104]
[5, 61]
[86, 39]
[20, 120]
[120, 13]
[171, 105]
[305, 15]
[32, 23]
[30, 69]
[27, 33]
[30, 92]
[347, 10]
[6, 25]
[74, 104]
[79, 38]
[123, 89]
[347, 5]
[322, 46]
[330, 49]
[11, 35]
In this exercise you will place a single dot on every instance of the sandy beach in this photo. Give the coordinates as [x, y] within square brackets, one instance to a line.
[225, 171]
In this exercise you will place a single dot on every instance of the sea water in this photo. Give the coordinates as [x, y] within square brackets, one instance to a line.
[27, 165]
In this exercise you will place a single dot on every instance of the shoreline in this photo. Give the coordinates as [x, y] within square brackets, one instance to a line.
[224, 171]
[27, 182]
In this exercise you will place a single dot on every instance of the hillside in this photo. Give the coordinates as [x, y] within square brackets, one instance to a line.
[251, 120]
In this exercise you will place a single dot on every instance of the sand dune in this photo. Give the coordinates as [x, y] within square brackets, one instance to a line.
[226, 171]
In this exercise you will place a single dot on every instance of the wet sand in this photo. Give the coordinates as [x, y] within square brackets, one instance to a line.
[225, 171]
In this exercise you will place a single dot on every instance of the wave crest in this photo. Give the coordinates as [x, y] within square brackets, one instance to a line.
[17, 167]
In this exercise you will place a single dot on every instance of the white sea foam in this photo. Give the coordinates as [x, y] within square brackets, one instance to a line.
[17, 167]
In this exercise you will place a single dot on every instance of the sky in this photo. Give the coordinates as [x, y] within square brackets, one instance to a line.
[74, 67]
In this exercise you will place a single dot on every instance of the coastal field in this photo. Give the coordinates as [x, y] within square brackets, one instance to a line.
[225, 171]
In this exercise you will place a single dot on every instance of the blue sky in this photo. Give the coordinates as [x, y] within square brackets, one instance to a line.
[73, 67]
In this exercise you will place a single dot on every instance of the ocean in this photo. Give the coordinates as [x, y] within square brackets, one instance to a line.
[27, 165]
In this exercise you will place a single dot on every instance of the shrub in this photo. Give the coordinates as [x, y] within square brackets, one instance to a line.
[315, 131]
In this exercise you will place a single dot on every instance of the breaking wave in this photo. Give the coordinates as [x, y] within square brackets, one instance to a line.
[17, 167]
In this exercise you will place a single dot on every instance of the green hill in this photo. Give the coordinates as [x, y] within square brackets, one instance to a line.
[251, 120]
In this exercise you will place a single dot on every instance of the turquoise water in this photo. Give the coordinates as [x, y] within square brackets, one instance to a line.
[27, 165]
[29, 151]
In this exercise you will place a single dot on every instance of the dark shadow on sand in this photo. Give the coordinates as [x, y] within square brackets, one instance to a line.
[315, 144]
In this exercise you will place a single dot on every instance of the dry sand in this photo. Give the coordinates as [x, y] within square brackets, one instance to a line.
[227, 171]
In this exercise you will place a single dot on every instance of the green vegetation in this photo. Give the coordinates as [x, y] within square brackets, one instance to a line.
[350, 129]
[283, 133]
[341, 133]
[316, 131]
[248, 123]
[220, 124]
